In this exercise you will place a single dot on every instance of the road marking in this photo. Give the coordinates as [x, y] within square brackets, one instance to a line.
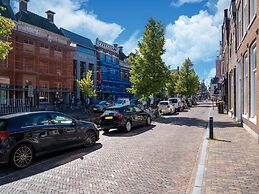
[201, 168]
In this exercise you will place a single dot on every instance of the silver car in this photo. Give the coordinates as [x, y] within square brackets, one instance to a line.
[166, 107]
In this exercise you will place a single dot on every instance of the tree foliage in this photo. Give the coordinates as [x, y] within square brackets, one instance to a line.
[148, 72]
[188, 81]
[6, 26]
[87, 85]
[170, 84]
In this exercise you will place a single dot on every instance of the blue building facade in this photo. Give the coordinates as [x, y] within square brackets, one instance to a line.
[112, 72]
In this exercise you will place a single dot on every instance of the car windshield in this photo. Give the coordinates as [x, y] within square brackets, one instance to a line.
[102, 102]
[112, 110]
[173, 100]
[163, 103]
[3, 125]
[119, 101]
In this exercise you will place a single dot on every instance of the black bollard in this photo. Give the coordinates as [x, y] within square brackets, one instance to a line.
[211, 127]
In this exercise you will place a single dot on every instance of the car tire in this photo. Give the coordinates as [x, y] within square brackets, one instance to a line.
[106, 130]
[89, 138]
[148, 121]
[128, 126]
[22, 156]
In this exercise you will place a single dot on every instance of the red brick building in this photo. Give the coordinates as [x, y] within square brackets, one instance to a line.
[241, 57]
[41, 62]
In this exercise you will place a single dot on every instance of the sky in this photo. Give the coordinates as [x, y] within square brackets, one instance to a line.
[192, 27]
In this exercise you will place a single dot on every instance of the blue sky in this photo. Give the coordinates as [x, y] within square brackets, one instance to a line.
[192, 27]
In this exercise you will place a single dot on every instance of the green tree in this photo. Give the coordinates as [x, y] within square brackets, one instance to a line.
[6, 26]
[170, 84]
[188, 81]
[87, 85]
[148, 72]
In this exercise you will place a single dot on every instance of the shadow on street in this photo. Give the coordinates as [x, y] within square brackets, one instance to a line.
[183, 121]
[134, 132]
[49, 161]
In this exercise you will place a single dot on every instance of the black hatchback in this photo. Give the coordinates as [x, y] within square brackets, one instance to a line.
[124, 117]
[24, 136]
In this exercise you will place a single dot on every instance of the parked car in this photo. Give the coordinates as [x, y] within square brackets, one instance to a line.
[24, 136]
[102, 106]
[124, 117]
[122, 102]
[189, 102]
[177, 102]
[194, 100]
[166, 107]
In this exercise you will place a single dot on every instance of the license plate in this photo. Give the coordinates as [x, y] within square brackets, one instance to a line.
[108, 118]
[95, 108]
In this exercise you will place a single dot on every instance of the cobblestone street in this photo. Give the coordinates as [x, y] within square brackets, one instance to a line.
[160, 158]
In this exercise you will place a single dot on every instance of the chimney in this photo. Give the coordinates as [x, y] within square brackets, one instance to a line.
[23, 5]
[226, 13]
[50, 16]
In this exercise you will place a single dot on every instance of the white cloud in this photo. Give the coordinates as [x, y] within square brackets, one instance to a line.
[196, 37]
[178, 3]
[210, 76]
[132, 44]
[71, 15]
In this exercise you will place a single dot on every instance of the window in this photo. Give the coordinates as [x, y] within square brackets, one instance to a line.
[129, 110]
[42, 45]
[37, 119]
[138, 110]
[28, 42]
[239, 31]
[3, 125]
[245, 84]
[101, 56]
[108, 58]
[253, 81]
[252, 9]
[60, 119]
[244, 16]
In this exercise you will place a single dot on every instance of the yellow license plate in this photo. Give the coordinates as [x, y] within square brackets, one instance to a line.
[108, 118]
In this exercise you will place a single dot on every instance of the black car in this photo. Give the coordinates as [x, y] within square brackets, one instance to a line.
[124, 117]
[102, 106]
[24, 136]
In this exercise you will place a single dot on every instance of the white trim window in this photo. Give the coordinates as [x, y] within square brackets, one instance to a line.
[253, 81]
[239, 28]
[244, 16]
[252, 8]
[245, 84]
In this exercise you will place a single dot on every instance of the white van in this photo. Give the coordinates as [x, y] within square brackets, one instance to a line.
[122, 102]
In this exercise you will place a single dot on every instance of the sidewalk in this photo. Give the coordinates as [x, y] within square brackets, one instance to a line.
[232, 163]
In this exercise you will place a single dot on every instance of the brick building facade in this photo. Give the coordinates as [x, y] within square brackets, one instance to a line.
[41, 60]
[242, 60]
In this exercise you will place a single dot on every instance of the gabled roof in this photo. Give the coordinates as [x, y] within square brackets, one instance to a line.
[8, 12]
[122, 56]
[80, 40]
[36, 20]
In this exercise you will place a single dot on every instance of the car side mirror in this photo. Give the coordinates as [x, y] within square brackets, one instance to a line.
[73, 123]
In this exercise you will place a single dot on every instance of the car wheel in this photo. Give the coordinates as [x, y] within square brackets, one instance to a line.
[128, 126]
[89, 138]
[106, 130]
[148, 121]
[22, 156]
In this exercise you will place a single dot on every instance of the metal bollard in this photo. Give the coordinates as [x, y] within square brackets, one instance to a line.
[211, 128]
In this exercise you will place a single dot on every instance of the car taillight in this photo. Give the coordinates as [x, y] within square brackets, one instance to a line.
[4, 135]
[118, 115]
